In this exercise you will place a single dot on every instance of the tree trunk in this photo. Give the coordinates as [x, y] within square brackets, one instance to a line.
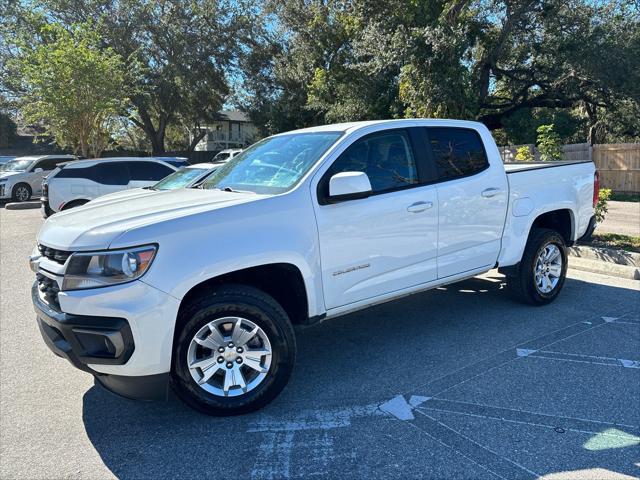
[155, 136]
[196, 139]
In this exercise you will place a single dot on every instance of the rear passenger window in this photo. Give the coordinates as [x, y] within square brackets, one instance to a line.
[457, 152]
[112, 173]
[148, 171]
[385, 157]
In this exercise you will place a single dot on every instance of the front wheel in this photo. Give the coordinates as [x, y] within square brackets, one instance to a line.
[21, 192]
[543, 268]
[234, 351]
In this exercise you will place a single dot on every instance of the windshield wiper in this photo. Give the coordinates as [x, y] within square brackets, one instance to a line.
[229, 189]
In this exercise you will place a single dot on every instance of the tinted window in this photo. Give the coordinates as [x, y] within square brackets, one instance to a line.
[47, 164]
[456, 151]
[148, 171]
[385, 157]
[112, 173]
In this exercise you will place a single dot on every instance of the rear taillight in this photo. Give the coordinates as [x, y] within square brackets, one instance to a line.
[596, 188]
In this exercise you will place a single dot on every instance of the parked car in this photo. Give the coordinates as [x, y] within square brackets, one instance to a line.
[200, 288]
[74, 184]
[226, 155]
[21, 177]
[187, 177]
[175, 161]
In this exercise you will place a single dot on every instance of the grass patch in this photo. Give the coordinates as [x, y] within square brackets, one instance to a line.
[625, 197]
[617, 241]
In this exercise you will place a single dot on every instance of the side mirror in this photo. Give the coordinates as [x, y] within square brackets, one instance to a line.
[38, 170]
[349, 186]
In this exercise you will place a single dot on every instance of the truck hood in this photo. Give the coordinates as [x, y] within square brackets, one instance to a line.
[96, 226]
[121, 195]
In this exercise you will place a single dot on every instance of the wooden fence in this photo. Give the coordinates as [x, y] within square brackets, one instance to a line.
[618, 163]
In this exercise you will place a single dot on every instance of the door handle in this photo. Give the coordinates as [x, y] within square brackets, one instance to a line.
[419, 207]
[490, 192]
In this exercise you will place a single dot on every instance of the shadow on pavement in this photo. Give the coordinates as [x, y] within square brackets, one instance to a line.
[365, 359]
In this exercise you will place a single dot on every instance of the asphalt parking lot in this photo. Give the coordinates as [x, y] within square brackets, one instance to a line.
[458, 382]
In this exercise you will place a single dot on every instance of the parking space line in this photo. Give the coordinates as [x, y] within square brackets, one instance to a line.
[579, 358]
[458, 377]
[468, 448]
[526, 417]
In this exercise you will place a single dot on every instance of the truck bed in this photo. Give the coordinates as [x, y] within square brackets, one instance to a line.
[516, 167]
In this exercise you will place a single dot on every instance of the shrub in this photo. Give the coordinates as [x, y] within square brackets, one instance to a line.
[549, 143]
[524, 154]
[601, 206]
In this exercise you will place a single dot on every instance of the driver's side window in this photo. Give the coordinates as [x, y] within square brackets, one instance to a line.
[385, 157]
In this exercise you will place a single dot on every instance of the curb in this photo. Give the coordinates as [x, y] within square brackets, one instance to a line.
[609, 255]
[29, 205]
[605, 261]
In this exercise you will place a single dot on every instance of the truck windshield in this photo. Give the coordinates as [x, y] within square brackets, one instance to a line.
[273, 165]
[180, 179]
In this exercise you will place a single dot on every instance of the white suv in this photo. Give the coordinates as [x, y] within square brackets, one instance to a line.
[74, 184]
[21, 177]
[225, 155]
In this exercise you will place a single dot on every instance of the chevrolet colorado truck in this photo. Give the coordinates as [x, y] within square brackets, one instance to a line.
[199, 289]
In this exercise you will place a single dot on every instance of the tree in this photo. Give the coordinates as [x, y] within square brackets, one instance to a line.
[71, 86]
[489, 60]
[184, 50]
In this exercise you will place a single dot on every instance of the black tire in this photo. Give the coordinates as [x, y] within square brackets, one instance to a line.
[74, 203]
[17, 189]
[259, 308]
[522, 283]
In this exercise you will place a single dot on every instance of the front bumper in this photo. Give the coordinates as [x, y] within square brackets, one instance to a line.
[92, 343]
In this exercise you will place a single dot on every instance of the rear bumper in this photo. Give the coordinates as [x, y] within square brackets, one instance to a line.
[45, 209]
[589, 231]
[87, 341]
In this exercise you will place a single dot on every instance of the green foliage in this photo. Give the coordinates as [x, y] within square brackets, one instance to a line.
[71, 86]
[549, 143]
[524, 154]
[512, 65]
[7, 131]
[602, 207]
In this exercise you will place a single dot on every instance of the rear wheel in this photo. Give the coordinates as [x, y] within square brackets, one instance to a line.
[543, 268]
[21, 192]
[234, 352]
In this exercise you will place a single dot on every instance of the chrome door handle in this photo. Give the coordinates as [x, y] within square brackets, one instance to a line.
[419, 207]
[490, 192]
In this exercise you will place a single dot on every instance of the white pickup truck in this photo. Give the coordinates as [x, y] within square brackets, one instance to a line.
[199, 289]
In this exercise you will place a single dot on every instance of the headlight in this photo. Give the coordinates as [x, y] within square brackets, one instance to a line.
[102, 269]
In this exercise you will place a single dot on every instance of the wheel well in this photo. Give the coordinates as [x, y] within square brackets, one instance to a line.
[559, 220]
[282, 281]
[74, 203]
[22, 184]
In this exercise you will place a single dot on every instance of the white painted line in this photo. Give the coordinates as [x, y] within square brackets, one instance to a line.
[524, 352]
[630, 363]
[417, 400]
[398, 407]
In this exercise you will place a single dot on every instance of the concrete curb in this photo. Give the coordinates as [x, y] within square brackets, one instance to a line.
[610, 255]
[606, 261]
[22, 205]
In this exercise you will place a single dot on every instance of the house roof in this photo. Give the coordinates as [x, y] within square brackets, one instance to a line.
[234, 116]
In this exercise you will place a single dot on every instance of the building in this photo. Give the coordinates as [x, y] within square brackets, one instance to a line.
[233, 130]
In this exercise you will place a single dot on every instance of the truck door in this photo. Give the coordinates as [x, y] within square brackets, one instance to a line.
[387, 241]
[472, 199]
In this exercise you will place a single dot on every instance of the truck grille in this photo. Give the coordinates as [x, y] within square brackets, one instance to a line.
[59, 256]
[49, 289]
